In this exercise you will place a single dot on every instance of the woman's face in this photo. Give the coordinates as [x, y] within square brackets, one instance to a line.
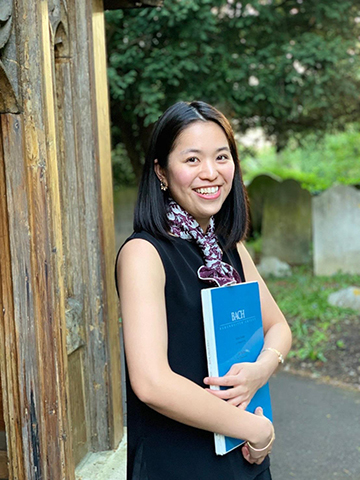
[200, 170]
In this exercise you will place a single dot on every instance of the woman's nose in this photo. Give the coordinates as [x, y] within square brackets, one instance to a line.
[208, 170]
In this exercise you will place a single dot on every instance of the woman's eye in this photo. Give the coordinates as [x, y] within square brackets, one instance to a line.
[223, 157]
[192, 160]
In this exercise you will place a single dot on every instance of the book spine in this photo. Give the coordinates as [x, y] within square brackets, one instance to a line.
[213, 368]
[220, 448]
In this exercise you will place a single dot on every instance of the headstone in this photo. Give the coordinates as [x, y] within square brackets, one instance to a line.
[336, 228]
[346, 298]
[258, 190]
[124, 205]
[272, 266]
[286, 228]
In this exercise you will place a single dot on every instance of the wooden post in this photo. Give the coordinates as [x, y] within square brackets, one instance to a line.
[9, 366]
[106, 214]
[98, 360]
[57, 330]
[37, 264]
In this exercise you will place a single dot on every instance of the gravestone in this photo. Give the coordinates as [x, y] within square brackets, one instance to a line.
[124, 205]
[336, 230]
[258, 190]
[286, 228]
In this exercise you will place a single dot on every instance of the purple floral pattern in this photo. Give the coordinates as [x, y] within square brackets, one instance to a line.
[183, 225]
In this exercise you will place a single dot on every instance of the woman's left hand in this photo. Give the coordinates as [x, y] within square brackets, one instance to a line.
[243, 380]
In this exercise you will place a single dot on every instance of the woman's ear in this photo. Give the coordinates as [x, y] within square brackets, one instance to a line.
[159, 172]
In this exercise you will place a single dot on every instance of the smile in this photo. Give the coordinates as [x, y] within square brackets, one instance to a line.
[207, 191]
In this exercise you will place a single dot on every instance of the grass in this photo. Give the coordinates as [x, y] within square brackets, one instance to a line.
[303, 300]
[317, 164]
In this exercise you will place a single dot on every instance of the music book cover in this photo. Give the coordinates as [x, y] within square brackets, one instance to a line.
[234, 334]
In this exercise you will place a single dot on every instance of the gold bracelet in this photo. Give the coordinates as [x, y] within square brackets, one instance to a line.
[262, 450]
[279, 354]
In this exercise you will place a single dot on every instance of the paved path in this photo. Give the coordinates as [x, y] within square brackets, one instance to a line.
[318, 430]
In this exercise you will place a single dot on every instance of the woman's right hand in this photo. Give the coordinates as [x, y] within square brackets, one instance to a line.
[257, 452]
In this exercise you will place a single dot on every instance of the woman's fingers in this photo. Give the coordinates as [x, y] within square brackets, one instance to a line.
[225, 381]
[232, 396]
[243, 405]
[246, 454]
[249, 458]
[256, 455]
[241, 383]
[230, 392]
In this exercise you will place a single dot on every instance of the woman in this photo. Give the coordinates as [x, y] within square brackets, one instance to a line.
[191, 209]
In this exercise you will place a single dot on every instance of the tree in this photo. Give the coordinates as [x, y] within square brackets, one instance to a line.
[289, 66]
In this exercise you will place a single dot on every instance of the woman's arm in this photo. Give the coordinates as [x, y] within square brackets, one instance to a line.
[247, 378]
[141, 284]
[276, 329]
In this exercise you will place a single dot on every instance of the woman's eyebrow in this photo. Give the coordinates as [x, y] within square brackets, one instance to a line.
[196, 150]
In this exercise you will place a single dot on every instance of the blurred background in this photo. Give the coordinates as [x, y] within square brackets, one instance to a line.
[287, 75]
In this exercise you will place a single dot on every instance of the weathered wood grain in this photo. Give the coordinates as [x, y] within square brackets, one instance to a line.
[2, 421]
[96, 358]
[71, 212]
[36, 260]
[55, 395]
[78, 404]
[71, 200]
[6, 7]
[18, 339]
[4, 471]
[71, 205]
[106, 218]
[9, 85]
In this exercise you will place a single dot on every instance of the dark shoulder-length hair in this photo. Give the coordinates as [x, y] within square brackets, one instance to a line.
[150, 211]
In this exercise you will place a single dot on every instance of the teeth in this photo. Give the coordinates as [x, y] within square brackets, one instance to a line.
[208, 191]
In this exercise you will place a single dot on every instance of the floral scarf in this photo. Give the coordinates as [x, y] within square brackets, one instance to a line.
[183, 225]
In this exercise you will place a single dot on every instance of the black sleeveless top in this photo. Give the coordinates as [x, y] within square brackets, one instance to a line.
[160, 448]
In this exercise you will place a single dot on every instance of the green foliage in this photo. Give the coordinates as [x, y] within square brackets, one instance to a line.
[123, 173]
[303, 300]
[289, 66]
[317, 163]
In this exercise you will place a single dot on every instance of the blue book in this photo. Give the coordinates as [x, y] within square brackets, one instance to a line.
[234, 334]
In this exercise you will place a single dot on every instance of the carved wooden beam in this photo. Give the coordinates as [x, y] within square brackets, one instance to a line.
[117, 4]
[8, 101]
[59, 21]
[8, 60]
[5, 21]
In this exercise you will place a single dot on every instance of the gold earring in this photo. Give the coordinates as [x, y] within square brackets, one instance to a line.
[163, 186]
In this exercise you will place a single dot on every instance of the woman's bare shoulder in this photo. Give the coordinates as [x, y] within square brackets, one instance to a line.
[244, 254]
[250, 269]
[139, 256]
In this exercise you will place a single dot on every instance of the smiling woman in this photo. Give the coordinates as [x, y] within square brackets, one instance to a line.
[185, 123]
[190, 218]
